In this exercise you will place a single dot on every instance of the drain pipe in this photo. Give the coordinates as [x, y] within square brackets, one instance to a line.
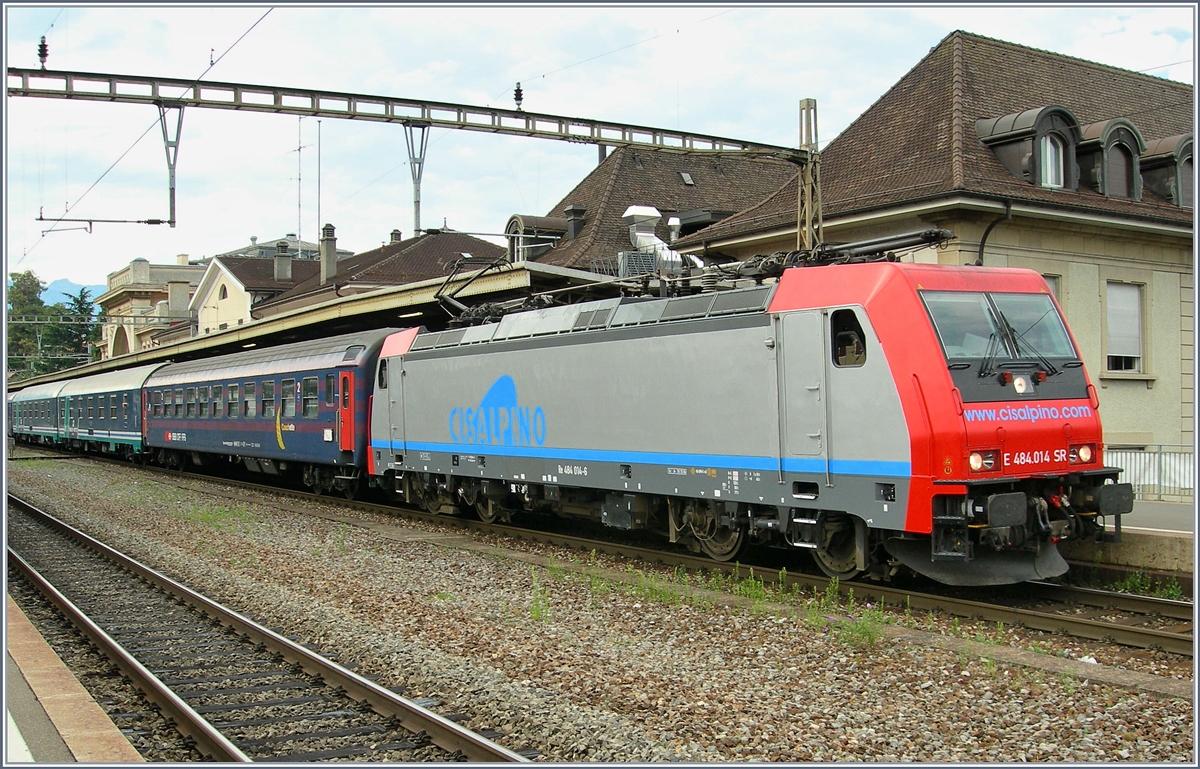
[982, 241]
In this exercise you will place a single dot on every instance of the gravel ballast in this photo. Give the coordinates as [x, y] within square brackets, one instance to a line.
[586, 658]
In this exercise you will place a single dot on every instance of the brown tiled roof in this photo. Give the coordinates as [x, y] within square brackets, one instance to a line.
[918, 141]
[393, 264]
[258, 273]
[630, 177]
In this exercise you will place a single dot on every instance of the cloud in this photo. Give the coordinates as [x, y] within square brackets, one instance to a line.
[728, 71]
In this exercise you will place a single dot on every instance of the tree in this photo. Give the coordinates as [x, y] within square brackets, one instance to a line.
[62, 337]
[24, 298]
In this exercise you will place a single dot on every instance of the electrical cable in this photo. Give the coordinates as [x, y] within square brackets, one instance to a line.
[58, 221]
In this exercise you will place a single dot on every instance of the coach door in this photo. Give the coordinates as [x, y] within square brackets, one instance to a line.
[802, 387]
[346, 411]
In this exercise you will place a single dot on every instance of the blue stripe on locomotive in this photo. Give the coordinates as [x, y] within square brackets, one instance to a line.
[730, 462]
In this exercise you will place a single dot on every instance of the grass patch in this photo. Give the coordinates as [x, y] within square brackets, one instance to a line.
[1139, 583]
[221, 517]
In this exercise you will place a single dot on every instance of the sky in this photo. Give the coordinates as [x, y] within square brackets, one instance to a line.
[726, 70]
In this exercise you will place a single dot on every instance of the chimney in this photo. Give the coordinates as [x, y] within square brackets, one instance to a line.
[139, 271]
[575, 214]
[178, 294]
[283, 263]
[181, 260]
[396, 236]
[329, 267]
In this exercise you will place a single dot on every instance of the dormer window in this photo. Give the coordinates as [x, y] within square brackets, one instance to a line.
[1109, 158]
[1167, 169]
[1051, 161]
[1037, 145]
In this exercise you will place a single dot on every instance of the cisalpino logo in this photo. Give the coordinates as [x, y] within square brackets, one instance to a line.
[499, 420]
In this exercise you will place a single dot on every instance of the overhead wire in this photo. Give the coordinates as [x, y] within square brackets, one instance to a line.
[56, 222]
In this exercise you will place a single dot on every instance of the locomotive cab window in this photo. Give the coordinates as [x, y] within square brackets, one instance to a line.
[310, 400]
[998, 326]
[849, 347]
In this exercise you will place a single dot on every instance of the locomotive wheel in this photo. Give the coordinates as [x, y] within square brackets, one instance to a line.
[488, 513]
[725, 544]
[838, 554]
[352, 488]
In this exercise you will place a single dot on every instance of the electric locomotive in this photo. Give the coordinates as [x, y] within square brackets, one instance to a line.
[877, 415]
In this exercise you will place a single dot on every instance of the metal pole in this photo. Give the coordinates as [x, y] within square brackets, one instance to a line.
[318, 177]
[172, 148]
[416, 162]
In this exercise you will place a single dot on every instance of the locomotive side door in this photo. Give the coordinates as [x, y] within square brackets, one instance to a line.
[802, 385]
[346, 402]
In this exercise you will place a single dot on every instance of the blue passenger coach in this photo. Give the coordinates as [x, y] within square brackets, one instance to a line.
[102, 413]
[297, 408]
[33, 413]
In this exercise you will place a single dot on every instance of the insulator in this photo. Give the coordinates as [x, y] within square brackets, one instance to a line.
[43, 51]
[708, 280]
[518, 95]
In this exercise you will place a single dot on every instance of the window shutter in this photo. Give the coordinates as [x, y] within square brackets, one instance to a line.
[1124, 320]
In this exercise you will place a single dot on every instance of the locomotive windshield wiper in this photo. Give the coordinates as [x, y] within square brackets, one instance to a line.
[989, 357]
[1019, 342]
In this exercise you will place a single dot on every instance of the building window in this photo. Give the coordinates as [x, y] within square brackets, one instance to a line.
[1124, 319]
[224, 294]
[1187, 183]
[1118, 172]
[1051, 161]
[1053, 282]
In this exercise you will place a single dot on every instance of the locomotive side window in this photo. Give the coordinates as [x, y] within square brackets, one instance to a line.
[231, 409]
[215, 406]
[249, 402]
[268, 399]
[383, 375]
[310, 399]
[330, 389]
[287, 396]
[849, 349]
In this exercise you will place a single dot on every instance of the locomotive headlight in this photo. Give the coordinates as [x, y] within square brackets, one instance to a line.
[981, 461]
[1081, 454]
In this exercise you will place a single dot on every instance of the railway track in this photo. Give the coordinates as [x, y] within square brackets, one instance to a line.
[1135, 621]
[238, 690]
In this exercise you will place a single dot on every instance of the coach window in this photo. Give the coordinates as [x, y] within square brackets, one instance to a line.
[100, 407]
[215, 405]
[156, 399]
[190, 401]
[124, 407]
[268, 399]
[849, 350]
[91, 407]
[311, 399]
[231, 409]
[331, 389]
[202, 407]
[287, 394]
[249, 404]
[112, 407]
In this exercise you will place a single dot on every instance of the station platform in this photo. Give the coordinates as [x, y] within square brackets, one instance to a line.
[50, 717]
[1157, 539]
